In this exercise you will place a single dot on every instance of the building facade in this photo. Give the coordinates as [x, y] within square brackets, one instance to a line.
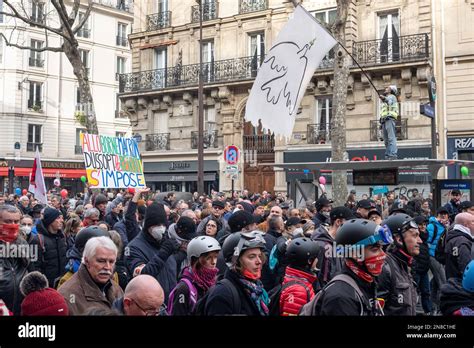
[40, 100]
[454, 66]
[390, 40]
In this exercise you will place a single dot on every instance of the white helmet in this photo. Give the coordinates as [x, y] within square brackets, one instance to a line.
[394, 89]
[201, 245]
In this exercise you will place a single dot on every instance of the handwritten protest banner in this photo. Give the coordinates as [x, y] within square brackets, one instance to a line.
[112, 162]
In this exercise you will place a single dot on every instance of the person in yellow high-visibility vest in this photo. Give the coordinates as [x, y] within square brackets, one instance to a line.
[388, 117]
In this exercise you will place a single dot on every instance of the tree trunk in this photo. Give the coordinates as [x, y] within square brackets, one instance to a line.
[86, 100]
[338, 124]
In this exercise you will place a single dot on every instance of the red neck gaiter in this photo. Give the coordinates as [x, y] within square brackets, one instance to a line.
[359, 272]
[249, 275]
[374, 264]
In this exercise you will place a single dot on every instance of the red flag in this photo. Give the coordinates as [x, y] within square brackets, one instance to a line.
[37, 185]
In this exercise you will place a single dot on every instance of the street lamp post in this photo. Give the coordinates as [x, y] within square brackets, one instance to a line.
[200, 175]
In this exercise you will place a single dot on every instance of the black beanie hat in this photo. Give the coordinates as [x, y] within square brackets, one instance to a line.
[186, 228]
[239, 220]
[155, 215]
[50, 214]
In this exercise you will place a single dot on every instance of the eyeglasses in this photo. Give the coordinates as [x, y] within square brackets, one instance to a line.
[211, 225]
[151, 312]
[381, 234]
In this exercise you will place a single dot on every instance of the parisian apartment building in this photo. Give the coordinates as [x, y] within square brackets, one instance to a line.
[414, 45]
[39, 93]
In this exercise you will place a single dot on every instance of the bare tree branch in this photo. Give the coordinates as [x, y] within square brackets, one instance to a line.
[85, 18]
[42, 49]
[65, 21]
[27, 20]
[75, 10]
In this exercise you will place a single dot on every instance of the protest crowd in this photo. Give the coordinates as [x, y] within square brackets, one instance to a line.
[136, 252]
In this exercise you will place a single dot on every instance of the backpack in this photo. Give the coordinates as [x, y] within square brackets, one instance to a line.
[200, 308]
[275, 294]
[192, 295]
[440, 253]
[309, 309]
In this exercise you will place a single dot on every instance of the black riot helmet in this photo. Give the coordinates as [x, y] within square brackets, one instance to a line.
[302, 251]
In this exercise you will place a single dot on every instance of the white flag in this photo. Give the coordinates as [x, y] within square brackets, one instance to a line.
[37, 186]
[286, 71]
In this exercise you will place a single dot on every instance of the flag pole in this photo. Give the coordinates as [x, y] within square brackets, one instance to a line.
[296, 3]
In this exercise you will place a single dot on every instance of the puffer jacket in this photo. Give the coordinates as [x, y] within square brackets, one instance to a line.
[432, 238]
[13, 271]
[53, 262]
[296, 295]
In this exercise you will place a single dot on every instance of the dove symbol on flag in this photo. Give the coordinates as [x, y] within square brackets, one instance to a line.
[286, 72]
[285, 82]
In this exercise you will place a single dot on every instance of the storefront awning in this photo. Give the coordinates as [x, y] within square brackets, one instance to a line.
[178, 177]
[47, 172]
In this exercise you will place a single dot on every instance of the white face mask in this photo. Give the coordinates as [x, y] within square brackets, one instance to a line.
[26, 229]
[298, 232]
[157, 232]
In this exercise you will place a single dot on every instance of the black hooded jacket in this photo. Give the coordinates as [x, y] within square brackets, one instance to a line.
[458, 253]
[53, 262]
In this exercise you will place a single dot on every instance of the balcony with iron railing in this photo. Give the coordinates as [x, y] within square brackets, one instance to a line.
[35, 62]
[246, 6]
[31, 147]
[121, 41]
[209, 139]
[318, 133]
[261, 143]
[78, 149]
[209, 12]
[393, 50]
[413, 47]
[401, 128]
[158, 21]
[188, 75]
[158, 141]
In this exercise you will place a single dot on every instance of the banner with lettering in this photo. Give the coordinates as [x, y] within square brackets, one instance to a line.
[112, 162]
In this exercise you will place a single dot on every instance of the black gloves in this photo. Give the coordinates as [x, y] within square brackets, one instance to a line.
[167, 248]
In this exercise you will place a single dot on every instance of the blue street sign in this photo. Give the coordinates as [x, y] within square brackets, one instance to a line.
[427, 110]
[137, 137]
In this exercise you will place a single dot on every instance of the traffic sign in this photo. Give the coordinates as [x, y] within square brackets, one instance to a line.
[231, 154]
[232, 169]
[427, 110]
